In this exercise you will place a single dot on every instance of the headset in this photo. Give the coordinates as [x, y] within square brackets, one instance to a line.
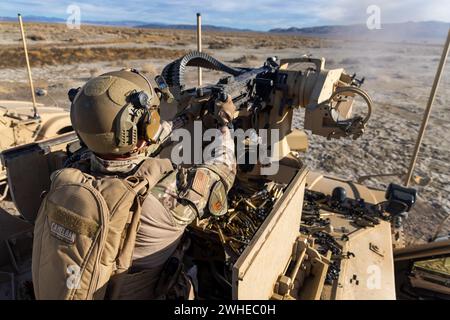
[149, 124]
[137, 119]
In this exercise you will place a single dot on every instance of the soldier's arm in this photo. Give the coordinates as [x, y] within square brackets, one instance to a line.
[201, 189]
[207, 184]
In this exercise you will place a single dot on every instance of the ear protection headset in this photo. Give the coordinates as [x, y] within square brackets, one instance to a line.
[138, 119]
[149, 122]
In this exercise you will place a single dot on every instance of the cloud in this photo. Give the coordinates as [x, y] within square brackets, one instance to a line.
[260, 15]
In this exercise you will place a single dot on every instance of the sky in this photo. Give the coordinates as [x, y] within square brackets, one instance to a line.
[257, 14]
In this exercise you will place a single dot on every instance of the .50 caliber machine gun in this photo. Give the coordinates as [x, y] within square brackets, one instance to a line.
[267, 95]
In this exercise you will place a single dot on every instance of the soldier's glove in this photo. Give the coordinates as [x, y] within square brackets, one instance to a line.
[194, 109]
[224, 111]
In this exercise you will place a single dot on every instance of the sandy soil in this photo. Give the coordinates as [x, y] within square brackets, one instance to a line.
[398, 77]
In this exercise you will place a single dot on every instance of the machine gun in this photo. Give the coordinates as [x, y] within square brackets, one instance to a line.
[272, 91]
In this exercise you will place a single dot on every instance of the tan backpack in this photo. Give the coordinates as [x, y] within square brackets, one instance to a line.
[86, 229]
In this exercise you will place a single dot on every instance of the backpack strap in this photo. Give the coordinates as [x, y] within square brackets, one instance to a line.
[153, 170]
[149, 173]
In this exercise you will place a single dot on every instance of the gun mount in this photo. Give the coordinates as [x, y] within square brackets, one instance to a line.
[265, 96]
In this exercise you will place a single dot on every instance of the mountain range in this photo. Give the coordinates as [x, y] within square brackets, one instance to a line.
[424, 31]
[125, 23]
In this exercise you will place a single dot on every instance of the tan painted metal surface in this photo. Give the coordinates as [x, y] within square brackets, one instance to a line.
[199, 46]
[370, 274]
[256, 271]
[30, 79]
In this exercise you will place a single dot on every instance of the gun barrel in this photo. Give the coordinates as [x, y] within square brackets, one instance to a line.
[240, 87]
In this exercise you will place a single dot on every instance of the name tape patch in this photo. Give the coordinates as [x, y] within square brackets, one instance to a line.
[62, 233]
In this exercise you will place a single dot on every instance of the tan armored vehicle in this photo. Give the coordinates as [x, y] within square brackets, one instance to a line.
[19, 125]
[290, 233]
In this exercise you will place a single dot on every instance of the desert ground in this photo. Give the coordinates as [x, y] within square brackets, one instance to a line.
[398, 77]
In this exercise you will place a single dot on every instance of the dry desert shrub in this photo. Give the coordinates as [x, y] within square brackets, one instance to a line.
[149, 68]
[36, 37]
[220, 45]
[12, 57]
[349, 61]
[245, 59]
[182, 43]
[330, 62]
[94, 72]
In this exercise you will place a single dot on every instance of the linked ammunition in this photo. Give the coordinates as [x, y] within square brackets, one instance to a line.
[245, 215]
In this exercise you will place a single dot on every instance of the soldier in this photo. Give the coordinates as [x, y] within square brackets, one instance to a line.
[116, 117]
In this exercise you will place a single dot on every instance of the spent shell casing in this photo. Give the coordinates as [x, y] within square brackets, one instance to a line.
[221, 235]
[250, 204]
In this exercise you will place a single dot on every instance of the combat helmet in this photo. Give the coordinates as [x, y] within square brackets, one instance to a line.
[113, 111]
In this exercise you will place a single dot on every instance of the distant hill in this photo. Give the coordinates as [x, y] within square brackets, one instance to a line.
[122, 23]
[190, 27]
[125, 23]
[426, 31]
[35, 19]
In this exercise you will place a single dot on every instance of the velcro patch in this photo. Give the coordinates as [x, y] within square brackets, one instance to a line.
[62, 233]
[97, 86]
[217, 203]
[71, 221]
[201, 182]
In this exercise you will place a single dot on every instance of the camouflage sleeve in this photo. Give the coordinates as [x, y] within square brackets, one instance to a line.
[210, 182]
[221, 160]
[168, 192]
[201, 189]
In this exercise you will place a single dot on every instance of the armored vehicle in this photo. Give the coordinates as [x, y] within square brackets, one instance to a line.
[289, 233]
[19, 125]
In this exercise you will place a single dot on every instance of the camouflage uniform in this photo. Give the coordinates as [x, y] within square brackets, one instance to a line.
[175, 201]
